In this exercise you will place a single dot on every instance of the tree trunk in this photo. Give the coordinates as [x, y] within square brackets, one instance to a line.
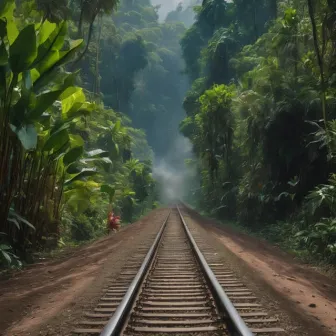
[80, 22]
[87, 43]
[96, 84]
[319, 59]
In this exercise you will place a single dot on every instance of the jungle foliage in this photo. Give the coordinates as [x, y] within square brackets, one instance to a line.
[261, 116]
[85, 84]
[66, 155]
[148, 87]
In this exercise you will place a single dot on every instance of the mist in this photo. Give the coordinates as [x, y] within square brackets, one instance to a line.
[170, 5]
[153, 94]
[174, 176]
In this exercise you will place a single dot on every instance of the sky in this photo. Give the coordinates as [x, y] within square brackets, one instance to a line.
[167, 6]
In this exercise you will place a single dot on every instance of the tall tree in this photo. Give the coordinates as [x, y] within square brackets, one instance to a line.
[319, 58]
[89, 10]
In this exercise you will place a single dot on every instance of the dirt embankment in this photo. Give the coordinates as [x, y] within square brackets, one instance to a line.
[308, 296]
[46, 299]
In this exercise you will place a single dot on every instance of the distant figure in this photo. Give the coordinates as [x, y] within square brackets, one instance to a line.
[113, 222]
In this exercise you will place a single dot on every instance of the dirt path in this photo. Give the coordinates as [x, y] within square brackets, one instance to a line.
[308, 296]
[47, 298]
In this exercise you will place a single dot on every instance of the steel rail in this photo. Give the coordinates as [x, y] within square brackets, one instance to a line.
[116, 323]
[234, 322]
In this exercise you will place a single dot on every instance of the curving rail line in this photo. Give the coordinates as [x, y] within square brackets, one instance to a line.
[177, 291]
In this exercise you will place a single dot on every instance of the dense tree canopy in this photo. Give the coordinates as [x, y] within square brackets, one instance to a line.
[138, 64]
[260, 115]
[67, 156]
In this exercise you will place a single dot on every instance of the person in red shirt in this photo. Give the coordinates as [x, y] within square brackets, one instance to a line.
[113, 222]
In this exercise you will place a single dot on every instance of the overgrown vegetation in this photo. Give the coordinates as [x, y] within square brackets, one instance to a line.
[261, 116]
[85, 84]
[66, 156]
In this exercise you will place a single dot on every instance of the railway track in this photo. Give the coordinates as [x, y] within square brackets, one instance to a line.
[177, 290]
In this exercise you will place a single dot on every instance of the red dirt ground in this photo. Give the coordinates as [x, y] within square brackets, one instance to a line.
[302, 290]
[45, 298]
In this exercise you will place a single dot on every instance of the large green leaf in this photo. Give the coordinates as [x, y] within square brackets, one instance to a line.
[72, 100]
[12, 30]
[76, 140]
[85, 172]
[69, 92]
[56, 140]
[59, 35]
[108, 189]
[5, 247]
[3, 83]
[27, 135]
[7, 13]
[14, 215]
[23, 51]
[114, 149]
[64, 57]
[6, 6]
[45, 31]
[77, 199]
[6, 256]
[3, 28]
[104, 160]
[117, 126]
[79, 110]
[53, 60]
[73, 169]
[43, 102]
[62, 80]
[59, 126]
[52, 42]
[3, 54]
[48, 61]
[73, 155]
[66, 80]
[97, 153]
[34, 75]
[16, 223]
[18, 112]
[45, 120]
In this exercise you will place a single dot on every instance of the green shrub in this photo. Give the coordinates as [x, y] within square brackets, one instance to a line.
[320, 239]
